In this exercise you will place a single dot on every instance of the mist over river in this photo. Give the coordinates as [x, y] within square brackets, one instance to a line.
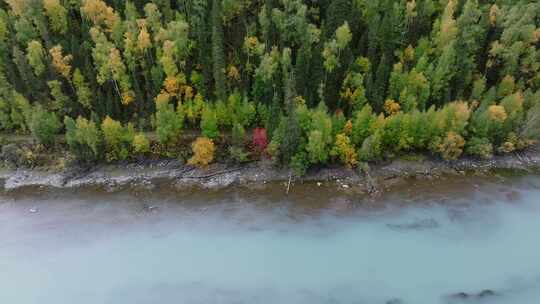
[456, 240]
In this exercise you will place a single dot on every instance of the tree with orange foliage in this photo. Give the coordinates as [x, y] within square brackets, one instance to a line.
[203, 152]
[100, 14]
[60, 62]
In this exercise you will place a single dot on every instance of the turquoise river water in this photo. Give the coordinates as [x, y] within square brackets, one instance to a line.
[458, 240]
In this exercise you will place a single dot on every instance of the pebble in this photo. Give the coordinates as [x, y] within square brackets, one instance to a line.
[345, 186]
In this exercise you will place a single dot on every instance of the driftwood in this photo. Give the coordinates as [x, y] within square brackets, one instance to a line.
[213, 174]
[289, 183]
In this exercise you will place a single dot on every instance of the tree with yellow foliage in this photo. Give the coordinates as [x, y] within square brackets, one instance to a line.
[120, 77]
[344, 151]
[497, 113]
[61, 63]
[143, 39]
[391, 107]
[100, 14]
[203, 152]
[451, 147]
[250, 64]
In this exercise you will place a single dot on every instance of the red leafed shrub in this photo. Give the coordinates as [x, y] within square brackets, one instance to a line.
[260, 140]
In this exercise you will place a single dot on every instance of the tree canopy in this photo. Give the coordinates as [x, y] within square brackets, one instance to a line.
[382, 67]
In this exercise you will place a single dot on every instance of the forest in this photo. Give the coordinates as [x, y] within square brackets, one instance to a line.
[304, 83]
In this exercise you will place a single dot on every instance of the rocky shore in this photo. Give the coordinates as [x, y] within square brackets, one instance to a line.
[372, 179]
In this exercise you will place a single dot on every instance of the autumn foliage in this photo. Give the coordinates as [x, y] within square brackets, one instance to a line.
[260, 140]
[203, 152]
[315, 82]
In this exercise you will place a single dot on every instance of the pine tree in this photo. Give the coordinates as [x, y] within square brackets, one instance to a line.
[218, 53]
[406, 59]
[469, 41]
[202, 31]
[29, 82]
[268, 26]
[291, 139]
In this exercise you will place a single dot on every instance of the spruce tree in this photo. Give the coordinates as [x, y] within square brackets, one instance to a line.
[291, 139]
[218, 53]
[469, 41]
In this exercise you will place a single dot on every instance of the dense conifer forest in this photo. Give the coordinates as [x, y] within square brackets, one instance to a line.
[303, 82]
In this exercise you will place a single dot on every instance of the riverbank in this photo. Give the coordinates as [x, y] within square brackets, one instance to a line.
[372, 180]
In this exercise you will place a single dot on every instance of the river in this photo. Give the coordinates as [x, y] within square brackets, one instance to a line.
[424, 242]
